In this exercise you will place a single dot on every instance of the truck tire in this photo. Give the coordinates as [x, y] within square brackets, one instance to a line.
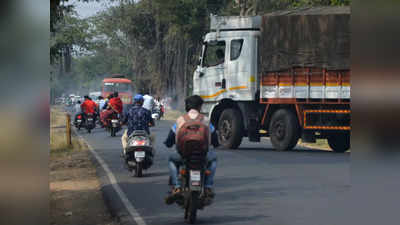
[284, 130]
[339, 142]
[230, 127]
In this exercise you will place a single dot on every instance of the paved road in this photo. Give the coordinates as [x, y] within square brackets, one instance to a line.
[253, 185]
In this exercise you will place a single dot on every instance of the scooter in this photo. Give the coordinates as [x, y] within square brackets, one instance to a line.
[139, 154]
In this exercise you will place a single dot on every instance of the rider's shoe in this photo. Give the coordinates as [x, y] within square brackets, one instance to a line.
[209, 193]
[175, 195]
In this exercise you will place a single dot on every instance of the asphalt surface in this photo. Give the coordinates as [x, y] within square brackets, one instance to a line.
[253, 185]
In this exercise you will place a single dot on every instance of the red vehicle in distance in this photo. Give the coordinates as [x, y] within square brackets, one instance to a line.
[120, 84]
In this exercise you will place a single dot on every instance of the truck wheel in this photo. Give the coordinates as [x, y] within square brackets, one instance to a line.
[230, 127]
[339, 142]
[284, 130]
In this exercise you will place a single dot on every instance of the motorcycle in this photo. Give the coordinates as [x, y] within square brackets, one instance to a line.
[156, 113]
[113, 124]
[79, 122]
[139, 153]
[192, 175]
[90, 124]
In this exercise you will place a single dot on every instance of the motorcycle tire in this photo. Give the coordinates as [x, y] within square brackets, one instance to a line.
[191, 214]
[139, 170]
[89, 131]
[79, 127]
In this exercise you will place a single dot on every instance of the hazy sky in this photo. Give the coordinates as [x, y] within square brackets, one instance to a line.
[86, 9]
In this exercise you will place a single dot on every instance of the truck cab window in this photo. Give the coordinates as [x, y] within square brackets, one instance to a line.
[236, 48]
[214, 54]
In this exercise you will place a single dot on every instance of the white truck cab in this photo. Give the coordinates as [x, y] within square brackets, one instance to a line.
[228, 62]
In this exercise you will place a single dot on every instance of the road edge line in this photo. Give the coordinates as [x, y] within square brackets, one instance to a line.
[113, 181]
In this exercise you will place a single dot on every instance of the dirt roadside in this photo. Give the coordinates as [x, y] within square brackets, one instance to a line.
[75, 195]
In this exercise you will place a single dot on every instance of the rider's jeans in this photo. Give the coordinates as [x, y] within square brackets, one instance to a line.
[175, 160]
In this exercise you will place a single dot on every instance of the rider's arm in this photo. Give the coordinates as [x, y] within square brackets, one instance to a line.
[214, 136]
[170, 141]
[124, 118]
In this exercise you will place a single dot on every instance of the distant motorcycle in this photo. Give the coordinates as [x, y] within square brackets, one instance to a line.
[139, 153]
[192, 175]
[156, 113]
[90, 124]
[79, 121]
[113, 124]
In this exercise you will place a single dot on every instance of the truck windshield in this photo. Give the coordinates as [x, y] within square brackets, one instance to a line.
[214, 54]
[120, 87]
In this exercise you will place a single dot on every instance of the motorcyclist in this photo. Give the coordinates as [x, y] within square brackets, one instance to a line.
[193, 106]
[88, 106]
[78, 107]
[102, 102]
[114, 105]
[148, 102]
[103, 110]
[106, 102]
[137, 118]
[77, 110]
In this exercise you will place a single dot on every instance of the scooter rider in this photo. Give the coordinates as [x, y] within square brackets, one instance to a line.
[137, 118]
[193, 106]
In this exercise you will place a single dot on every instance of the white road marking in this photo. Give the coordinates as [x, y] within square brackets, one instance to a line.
[131, 209]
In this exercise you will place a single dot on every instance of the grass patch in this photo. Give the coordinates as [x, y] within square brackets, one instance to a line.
[58, 142]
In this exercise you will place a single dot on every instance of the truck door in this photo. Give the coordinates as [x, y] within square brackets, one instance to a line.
[241, 67]
[210, 75]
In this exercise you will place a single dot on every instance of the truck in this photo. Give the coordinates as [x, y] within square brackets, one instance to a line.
[283, 75]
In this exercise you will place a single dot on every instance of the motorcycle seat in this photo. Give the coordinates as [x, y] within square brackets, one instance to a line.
[139, 133]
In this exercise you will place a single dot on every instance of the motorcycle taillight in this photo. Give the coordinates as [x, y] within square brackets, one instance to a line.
[79, 117]
[139, 142]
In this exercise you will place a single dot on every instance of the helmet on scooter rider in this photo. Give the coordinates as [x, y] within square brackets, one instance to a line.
[138, 99]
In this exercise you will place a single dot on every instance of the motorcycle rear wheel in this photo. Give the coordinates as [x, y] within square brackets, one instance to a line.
[191, 208]
[139, 170]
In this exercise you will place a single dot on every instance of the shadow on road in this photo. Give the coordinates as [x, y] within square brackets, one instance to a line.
[155, 174]
[226, 219]
[291, 151]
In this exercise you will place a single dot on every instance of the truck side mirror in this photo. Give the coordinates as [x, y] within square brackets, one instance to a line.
[201, 74]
